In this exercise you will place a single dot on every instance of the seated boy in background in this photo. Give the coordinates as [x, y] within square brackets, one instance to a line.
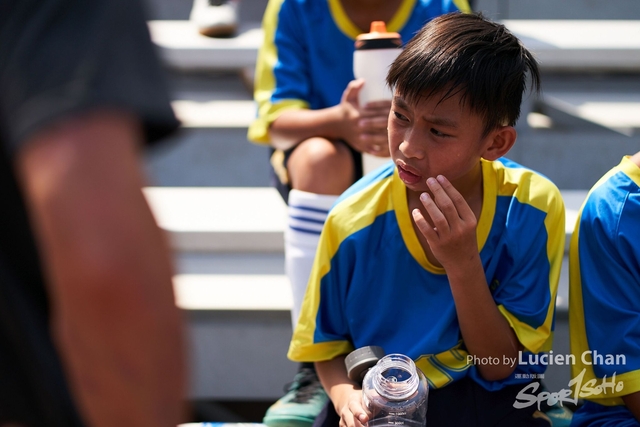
[450, 254]
[604, 299]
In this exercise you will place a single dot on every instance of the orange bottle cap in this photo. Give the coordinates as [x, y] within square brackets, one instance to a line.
[378, 30]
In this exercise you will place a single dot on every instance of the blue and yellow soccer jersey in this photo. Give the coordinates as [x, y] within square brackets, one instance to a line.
[372, 284]
[306, 60]
[604, 310]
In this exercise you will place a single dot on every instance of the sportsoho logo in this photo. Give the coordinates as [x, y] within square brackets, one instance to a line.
[527, 396]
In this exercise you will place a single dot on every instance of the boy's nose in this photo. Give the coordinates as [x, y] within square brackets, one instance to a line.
[410, 148]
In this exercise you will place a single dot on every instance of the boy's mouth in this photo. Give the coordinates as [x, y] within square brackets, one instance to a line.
[408, 177]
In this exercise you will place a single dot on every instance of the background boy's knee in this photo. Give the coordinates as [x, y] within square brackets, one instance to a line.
[319, 165]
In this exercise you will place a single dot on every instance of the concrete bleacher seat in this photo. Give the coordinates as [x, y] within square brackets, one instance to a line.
[559, 45]
[183, 48]
[581, 45]
[250, 220]
[215, 113]
[617, 111]
[229, 219]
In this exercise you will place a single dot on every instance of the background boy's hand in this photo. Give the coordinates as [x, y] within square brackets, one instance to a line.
[351, 410]
[452, 238]
[365, 128]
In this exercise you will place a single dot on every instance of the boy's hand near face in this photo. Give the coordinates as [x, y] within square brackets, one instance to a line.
[452, 238]
[365, 128]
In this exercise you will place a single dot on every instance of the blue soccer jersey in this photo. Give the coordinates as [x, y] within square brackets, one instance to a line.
[306, 60]
[604, 310]
[372, 283]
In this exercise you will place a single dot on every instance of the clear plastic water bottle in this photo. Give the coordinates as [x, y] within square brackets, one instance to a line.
[395, 392]
[374, 54]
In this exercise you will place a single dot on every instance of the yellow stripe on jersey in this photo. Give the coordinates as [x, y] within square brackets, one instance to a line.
[436, 367]
[351, 30]
[542, 194]
[463, 5]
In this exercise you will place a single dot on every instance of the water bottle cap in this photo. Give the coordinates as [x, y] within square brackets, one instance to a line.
[378, 27]
[378, 31]
[360, 360]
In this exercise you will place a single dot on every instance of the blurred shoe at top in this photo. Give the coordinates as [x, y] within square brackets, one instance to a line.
[215, 18]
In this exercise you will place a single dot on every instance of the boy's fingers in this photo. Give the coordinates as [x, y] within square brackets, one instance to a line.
[443, 202]
[462, 207]
[425, 228]
[378, 105]
[377, 122]
[359, 415]
[351, 92]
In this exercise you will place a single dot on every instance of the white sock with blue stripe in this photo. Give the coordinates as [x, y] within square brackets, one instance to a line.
[307, 213]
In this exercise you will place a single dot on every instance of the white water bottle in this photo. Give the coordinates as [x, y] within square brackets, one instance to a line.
[374, 54]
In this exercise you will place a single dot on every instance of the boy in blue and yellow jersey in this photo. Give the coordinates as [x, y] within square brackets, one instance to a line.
[308, 112]
[604, 303]
[450, 254]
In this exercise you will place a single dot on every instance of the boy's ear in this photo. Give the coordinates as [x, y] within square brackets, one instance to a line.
[501, 141]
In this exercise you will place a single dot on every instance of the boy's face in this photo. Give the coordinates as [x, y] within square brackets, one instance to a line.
[434, 138]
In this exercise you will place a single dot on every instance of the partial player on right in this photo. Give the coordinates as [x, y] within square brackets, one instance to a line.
[604, 299]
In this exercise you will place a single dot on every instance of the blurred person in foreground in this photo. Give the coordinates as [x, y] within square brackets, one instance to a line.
[89, 331]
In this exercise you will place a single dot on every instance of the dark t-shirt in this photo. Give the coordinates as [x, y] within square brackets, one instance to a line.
[57, 58]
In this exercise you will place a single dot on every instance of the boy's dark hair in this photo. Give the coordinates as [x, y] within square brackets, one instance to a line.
[467, 53]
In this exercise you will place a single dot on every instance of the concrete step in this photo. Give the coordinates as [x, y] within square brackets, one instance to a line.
[252, 10]
[248, 10]
[198, 157]
[553, 9]
[227, 219]
[572, 158]
[237, 292]
[230, 258]
[582, 46]
[573, 45]
[183, 48]
[616, 111]
[215, 114]
[212, 148]
[247, 219]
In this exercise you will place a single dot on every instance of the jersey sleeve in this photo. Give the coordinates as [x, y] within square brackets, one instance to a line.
[282, 79]
[526, 287]
[322, 332]
[609, 271]
[60, 58]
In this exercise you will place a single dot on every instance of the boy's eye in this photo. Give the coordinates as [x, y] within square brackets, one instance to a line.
[399, 116]
[436, 132]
